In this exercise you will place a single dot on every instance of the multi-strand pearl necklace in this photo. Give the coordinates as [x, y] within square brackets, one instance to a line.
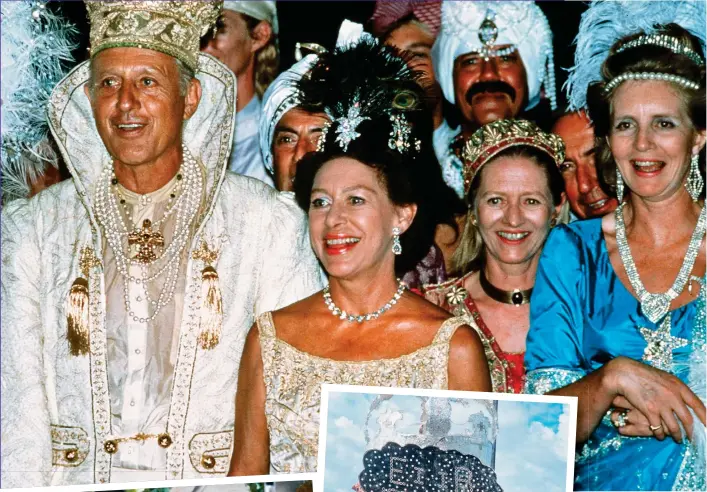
[116, 231]
[360, 318]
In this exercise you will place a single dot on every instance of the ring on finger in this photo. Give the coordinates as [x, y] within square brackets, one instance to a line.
[621, 419]
[654, 428]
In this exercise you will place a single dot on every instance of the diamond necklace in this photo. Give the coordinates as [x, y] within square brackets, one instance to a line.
[655, 306]
[114, 227]
[336, 311]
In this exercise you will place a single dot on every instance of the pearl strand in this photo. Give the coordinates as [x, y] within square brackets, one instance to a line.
[115, 230]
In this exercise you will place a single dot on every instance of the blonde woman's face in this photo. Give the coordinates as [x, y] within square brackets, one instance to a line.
[514, 209]
[652, 138]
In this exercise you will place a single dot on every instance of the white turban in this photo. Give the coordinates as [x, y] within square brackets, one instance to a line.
[281, 96]
[262, 10]
[521, 24]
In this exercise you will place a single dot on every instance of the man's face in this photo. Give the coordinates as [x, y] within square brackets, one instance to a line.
[579, 171]
[232, 45]
[489, 90]
[415, 40]
[296, 133]
[137, 104]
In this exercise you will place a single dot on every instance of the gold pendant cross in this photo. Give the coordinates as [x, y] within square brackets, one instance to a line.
[146, 241]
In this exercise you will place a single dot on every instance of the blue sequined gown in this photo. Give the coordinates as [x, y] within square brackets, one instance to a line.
[582, 316]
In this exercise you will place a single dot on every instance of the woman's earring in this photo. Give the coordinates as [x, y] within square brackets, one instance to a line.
[397, 247]
[474, 222]
[553, 222]
[619, 186]
[694, 181]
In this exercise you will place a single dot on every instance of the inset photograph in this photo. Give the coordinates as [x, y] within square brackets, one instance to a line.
[389, 439]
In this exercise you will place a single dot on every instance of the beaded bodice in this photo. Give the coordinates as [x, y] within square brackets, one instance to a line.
[293, 382]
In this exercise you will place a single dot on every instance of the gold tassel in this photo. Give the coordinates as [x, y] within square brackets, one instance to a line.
[77, 317]
[211, 309]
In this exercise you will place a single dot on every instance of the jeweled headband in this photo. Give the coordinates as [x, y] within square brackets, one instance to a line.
[664, 41]
[493, 138]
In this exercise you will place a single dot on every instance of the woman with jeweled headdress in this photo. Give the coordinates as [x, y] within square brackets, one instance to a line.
[370, 216]
[515, 195]
[617, 317]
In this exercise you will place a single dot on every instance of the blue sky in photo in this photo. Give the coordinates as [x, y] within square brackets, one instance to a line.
[531, 447]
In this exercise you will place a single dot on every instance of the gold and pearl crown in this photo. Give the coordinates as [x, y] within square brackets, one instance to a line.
[499, 135]
[171, 27]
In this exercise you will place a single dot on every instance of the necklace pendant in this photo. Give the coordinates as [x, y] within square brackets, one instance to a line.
[517, 297]
[655, 306]
[660, 344]
[146, 240]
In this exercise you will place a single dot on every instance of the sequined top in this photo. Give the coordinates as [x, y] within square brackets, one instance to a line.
[581, 317]
[293, 382]
[506, 368]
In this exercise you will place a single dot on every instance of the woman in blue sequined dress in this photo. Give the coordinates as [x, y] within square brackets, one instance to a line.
[617, 314]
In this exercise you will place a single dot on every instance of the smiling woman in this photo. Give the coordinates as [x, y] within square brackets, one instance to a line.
[515, 195]
[369, 211]
[618, 314]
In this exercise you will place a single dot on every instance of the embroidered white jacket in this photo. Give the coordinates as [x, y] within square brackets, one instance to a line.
[56, 414]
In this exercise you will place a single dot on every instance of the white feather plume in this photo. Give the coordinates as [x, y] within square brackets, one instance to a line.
[607, 21]
[35, 42]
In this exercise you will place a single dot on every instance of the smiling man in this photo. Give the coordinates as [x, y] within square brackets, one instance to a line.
[579, 171]
[493, 60]
[128, 292]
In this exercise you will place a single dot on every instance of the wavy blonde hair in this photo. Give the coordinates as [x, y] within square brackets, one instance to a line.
[267, 58]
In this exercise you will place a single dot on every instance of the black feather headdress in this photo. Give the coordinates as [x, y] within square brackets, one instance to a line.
[366, 81]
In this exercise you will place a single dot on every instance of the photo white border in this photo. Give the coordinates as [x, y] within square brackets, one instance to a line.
[318, 483]
[188, 482]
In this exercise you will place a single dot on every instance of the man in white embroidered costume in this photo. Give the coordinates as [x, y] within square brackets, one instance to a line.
[127, 294]
[246, 42]
[491, 59]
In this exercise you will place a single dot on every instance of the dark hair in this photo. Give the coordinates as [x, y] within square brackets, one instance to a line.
[470, 253]
[410, 177]
[644, 58]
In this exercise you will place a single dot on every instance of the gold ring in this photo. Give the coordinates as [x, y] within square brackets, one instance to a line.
[655, 427]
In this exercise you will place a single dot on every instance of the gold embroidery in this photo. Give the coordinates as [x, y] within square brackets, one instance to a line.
[293, 382]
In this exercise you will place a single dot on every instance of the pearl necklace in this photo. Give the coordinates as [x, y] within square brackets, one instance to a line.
[655, 306]
[111, 220]
[145, 200]
[336, 311]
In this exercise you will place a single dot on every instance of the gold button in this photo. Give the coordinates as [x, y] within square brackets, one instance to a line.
[110, 446]
[71, 455]
[164, 440]
[208, 461]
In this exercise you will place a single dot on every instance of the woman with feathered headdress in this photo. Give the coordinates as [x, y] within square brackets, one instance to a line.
[371, 215]
[618, 314]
